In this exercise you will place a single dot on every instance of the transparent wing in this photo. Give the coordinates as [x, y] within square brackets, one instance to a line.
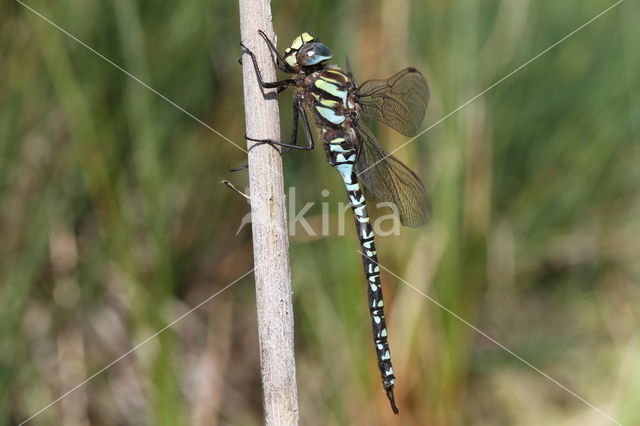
[399, 102]
[387, 179]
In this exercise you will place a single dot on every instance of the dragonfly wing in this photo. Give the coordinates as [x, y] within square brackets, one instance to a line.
[388, 179]
[399, 102]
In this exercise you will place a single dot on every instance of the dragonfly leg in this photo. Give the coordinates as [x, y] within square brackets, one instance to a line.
[274, 143]
[293, 144]
[298, 110]
[280, 85]
[282, 64]
[238, 169]
[294, 125]
[306, 126]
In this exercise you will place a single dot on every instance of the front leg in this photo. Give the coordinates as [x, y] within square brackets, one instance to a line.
[280, 85]
[282, 64]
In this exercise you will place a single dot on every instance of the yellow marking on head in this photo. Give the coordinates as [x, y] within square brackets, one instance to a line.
[306, 37]
[291, 60]
[297, 43]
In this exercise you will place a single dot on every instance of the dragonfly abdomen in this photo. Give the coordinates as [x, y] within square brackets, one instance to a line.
[342, 155]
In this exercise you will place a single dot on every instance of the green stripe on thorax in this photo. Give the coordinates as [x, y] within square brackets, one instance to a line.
[335, 76]
[331, 88]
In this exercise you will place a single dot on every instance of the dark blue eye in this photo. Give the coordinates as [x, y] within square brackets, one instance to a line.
[313, 54]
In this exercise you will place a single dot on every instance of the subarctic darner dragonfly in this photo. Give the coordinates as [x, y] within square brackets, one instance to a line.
[331, 97]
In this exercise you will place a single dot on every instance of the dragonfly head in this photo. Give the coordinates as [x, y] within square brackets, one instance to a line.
[306, 51]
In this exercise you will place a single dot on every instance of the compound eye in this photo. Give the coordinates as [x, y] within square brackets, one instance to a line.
[313, 54]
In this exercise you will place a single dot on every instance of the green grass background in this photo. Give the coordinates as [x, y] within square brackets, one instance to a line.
[112, 221]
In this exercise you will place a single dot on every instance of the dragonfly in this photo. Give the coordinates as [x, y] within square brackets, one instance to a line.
[330, 98]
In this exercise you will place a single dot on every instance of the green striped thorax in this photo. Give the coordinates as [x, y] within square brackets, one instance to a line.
[306, 51]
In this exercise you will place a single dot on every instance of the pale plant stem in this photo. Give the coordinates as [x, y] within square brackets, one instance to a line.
[269, 225]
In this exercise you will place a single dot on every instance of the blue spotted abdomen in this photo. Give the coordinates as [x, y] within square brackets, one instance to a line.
[341, 150]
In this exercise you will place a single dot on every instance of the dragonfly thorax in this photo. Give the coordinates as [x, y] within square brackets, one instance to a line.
[330, 93]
